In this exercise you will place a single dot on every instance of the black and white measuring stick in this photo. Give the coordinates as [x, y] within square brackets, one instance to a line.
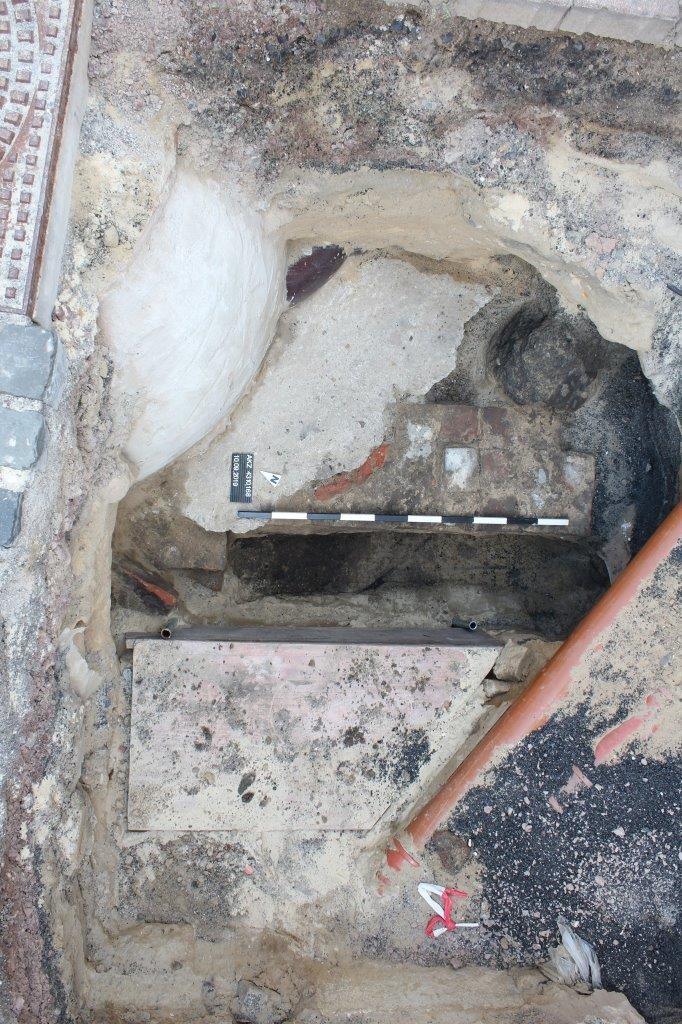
[383, 517]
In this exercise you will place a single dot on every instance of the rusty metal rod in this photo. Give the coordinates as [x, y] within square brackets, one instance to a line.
[539, 701]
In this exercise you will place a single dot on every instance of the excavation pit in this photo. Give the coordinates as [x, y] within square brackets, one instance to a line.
[413, 264]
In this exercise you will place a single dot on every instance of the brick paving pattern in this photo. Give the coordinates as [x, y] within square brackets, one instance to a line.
[36, 50]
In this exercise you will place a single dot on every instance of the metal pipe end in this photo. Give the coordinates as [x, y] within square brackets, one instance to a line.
[166, 633]
[470, 624]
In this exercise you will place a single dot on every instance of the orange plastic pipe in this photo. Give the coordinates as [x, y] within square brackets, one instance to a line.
[538, 702]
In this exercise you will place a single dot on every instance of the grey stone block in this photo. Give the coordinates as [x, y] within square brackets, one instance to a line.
[26, 359]
[256, 1005]
[21, 437]
[10, 516]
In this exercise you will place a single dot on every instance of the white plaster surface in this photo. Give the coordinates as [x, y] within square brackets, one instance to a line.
[460, 465]
[190, 320]
[380, 331]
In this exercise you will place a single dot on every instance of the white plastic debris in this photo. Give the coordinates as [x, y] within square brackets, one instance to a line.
[574, 961]
[582, 953]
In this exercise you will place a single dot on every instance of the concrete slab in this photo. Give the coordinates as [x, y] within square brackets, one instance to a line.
[285, 736]
[647, 21]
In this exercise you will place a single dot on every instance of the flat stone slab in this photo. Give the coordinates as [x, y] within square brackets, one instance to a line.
[21, 437]
[10, 516]
[650, 21]
[26, 357]
[288, 736]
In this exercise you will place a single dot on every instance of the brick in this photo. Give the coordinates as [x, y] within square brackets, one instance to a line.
[460, 423]
[21, 437]
[26, 360]
[499, 426]
[10, 517]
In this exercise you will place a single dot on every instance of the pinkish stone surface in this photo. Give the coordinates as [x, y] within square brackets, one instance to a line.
[289, 736]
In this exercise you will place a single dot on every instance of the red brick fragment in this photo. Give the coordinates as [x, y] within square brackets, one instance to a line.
[343, 481]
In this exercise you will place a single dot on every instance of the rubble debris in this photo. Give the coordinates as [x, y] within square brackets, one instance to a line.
[508, 665]
[521, 660]
[495, 687]
[84, 680]
[577, 781]
[452, 851]
[548, 360]
[110, 237]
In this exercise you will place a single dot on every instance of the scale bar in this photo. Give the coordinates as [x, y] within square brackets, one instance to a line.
[384, 517]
